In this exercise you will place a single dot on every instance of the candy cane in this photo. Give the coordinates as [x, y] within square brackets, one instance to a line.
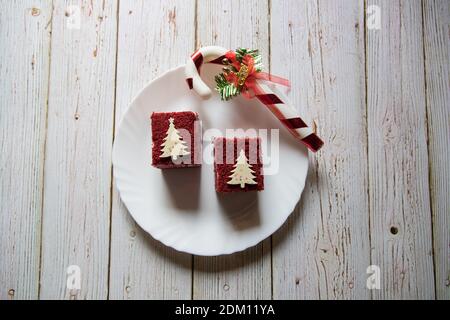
[192, 70]
[272, 98]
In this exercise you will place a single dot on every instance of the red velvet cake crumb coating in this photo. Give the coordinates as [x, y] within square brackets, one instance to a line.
[226, 152]
[188, 126]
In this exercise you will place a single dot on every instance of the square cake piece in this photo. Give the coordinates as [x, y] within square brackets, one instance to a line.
[176, 139]
[238, 164]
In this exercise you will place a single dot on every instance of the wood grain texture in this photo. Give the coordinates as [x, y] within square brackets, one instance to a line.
[376, 194]
[245, 275]
[154, 36]
[77, 175]
[24, 66]
[323, 250]
[398, 160]
[436, 16]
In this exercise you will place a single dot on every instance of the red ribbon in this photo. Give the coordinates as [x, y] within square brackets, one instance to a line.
[250, 88]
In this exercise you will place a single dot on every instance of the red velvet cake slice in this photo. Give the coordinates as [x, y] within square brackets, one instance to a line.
[238, 164]
[176, 139]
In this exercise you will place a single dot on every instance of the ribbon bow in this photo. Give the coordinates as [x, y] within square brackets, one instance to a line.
[241, 74]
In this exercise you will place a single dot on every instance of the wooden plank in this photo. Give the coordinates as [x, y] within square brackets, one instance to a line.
[437, 55]
[154, 36]
[398, 161]
[245, 275]
[323, 250]
[24, 67]
[78, 150]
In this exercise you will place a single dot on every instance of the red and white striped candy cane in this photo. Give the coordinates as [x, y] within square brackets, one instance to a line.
[271, 97]
[192, 70]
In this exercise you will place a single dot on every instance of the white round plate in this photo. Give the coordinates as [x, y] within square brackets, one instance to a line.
[180, 207]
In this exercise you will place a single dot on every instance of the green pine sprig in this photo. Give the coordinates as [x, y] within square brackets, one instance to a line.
[226, 90]
[241, 52]
[229, 90]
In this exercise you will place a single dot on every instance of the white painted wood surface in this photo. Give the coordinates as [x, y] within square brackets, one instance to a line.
[153, 37]
[244, 275]
[436, 15]
[377, 97]
[323, 251]
[398, 160]
[24, 67]
[77, 176]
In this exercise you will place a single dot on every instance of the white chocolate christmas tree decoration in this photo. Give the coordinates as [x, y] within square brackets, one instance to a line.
[242, 173]
[173, 145]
